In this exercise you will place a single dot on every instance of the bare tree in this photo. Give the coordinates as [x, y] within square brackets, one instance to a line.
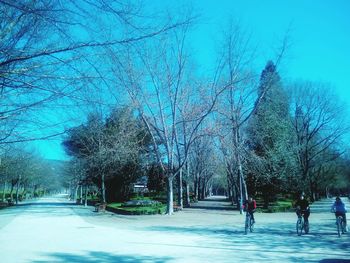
[236, 107]
[158, 85]
[239, 103]
[51, 50]
[320, 126]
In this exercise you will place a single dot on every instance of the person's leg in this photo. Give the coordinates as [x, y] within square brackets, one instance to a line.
[306, 216]
[252, 215]
[345, 222]
[336, 215]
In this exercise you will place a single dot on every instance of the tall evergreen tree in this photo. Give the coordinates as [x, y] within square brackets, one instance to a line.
[271, 135]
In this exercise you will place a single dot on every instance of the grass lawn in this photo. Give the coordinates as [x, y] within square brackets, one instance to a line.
[281, 205]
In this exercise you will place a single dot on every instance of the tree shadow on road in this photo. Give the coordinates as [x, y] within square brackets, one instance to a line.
[280, 240]
[97, 256]
[198, 230]
[333, 260]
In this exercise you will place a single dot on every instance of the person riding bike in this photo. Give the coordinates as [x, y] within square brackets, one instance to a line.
[250, 206]
[339, 209]
[302, 208]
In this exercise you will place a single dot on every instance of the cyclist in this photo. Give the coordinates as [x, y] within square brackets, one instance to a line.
[339, 209]
[302, 208]
[250, 206]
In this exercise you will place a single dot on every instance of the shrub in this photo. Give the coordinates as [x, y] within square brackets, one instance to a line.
[138, 203]
[136, 210]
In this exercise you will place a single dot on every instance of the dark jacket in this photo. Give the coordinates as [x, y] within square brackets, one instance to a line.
[303, 204]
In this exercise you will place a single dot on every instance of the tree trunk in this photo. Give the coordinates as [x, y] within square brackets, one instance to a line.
[24, 192]
[327, 192]
[17, 190]
[11, 191]
[231, 195]
[202, 190]
[170, 205]
[229, 189]
[245, 190]
[180, 190]
[240, 193]
[34, 190]
[237, 196]
[187, 201]
[86, 192]
[4, 191]
[195, 186]
[199, 186]
[103, 188]
[210, 189]
[242, 184]
[75, 194]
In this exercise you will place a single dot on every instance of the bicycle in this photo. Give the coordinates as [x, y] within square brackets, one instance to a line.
[249, 223]
[302, 225]
[340, 225]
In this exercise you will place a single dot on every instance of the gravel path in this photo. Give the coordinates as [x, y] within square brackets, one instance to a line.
[50, 231]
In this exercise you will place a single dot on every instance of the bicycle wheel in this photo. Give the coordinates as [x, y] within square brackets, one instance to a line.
[342, 224]
[299, 226]
[251, 228]
[247, 223]
[339, 227]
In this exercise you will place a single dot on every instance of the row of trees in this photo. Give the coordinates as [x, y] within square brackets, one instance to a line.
[271, 137]
[26, 175]
[52, 56]
[249, 132]
[110, 152]
[287, 141]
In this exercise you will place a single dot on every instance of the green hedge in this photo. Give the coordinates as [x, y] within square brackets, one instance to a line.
[141, 210]
[278, 206]
[141, 203]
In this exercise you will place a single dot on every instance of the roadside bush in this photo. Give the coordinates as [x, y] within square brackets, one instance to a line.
[138, 203]
[154, 208]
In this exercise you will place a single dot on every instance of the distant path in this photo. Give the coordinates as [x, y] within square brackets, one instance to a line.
[214, 203]
[10, 213]
[54, 230]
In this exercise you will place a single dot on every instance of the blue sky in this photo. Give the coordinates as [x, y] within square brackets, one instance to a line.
[319, 33]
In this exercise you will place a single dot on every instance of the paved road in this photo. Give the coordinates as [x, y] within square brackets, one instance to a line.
[49, 231]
